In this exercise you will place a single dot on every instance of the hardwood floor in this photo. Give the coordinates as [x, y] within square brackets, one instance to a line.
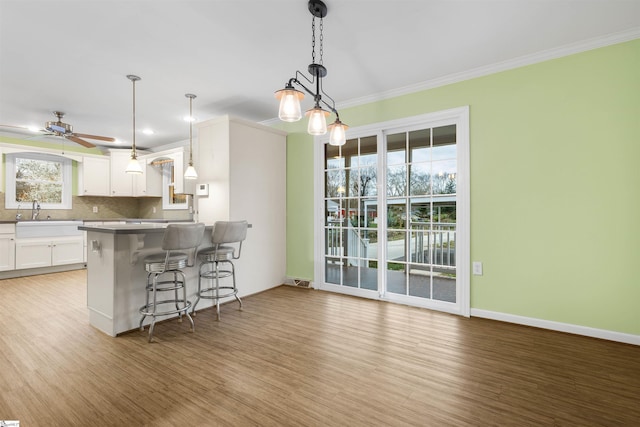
[305, 358]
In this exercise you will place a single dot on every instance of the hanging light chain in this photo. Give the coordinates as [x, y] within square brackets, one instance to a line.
[321, 38]
[313, 40]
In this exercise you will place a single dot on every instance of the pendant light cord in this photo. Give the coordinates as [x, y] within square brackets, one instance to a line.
[133, 146]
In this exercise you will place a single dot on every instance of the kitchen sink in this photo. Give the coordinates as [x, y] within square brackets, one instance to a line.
[47, 228]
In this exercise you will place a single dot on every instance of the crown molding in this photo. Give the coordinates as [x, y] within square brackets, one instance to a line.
[521, 61]
[565, 50]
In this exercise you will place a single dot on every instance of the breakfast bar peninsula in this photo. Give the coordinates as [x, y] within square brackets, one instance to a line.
[116, 276]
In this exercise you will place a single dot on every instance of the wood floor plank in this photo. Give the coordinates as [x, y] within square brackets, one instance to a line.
[301, 357]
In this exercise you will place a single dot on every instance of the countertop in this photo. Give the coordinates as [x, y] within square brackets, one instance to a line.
[127, 220]
[126, 228]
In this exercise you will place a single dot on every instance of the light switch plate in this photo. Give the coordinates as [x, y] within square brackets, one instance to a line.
[477, 268]
[202, 190]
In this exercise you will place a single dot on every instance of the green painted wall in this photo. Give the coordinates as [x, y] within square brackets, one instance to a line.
[555, 186]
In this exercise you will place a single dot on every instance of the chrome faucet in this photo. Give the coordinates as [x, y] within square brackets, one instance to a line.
[35, 210]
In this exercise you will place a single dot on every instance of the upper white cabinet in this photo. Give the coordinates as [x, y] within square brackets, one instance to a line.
[93, 176]
[244, 166]
[149, 183]
[121, 182]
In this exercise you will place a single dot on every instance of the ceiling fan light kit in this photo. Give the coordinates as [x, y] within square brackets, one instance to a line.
[290, 97]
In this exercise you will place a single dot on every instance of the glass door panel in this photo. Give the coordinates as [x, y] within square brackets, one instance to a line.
[421, 231]
[351, 206]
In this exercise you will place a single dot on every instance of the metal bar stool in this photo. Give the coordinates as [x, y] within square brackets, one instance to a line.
[227, 238]
[179, 243]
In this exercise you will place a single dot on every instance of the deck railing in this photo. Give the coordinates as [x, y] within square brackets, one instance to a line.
[337, 238]
[433, 243]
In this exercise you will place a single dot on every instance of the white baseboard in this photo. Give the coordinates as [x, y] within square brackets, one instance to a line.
[558, 326]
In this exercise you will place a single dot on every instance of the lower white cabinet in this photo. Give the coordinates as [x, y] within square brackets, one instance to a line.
[47, 252]
[7, 251]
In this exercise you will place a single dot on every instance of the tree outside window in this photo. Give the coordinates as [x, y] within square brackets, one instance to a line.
[39, 180]
[42, 177]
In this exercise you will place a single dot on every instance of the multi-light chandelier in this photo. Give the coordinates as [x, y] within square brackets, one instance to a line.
[290, 97]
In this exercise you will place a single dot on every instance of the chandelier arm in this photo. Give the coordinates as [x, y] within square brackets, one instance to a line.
[331, 106]
[299, 83]
[299, 73]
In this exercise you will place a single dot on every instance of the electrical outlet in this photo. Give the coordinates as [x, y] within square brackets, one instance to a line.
[477, 268]
[95, 209]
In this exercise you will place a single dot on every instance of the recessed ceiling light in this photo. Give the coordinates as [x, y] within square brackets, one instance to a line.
[189, 119]
[33, 128]
[148, 131]
[118, 142]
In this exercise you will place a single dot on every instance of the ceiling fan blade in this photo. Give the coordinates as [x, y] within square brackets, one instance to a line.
[79, 141]
[100, 138]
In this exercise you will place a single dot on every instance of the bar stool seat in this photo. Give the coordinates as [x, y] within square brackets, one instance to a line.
[164, 273]
[227, 238]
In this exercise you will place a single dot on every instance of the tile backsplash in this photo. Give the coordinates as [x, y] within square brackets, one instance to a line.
[107, 208]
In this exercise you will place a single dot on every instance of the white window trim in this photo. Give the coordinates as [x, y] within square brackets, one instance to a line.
[166, 183]
[10, 181]
[459, 116]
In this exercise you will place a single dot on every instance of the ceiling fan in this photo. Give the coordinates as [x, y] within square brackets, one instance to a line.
[58, 128]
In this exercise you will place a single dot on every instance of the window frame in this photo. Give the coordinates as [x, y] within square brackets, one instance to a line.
[166, 184]
[10, 180]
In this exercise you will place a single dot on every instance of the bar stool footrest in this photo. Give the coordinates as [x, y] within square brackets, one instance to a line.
[144, 309]
[225, 295]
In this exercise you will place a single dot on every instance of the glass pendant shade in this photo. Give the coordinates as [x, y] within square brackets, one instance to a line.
[133, 166]
[289, 104]
[337, 133]
[317, 121]
[190, 173]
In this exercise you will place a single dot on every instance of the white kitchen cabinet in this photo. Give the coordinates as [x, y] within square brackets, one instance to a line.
[243, 164]
[149, 183]
[121, 182]
[47, 252]
[7, 247]
[93, 176]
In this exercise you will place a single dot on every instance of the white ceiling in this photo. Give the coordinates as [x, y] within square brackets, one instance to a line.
[73, 55]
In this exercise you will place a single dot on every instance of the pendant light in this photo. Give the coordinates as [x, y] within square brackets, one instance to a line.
[190, 173]
[133, 167]
[290, 97]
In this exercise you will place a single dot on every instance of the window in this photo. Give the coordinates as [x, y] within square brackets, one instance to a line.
[171, 200]
[42, 177]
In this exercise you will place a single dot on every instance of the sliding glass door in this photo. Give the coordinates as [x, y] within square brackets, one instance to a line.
[395, 212]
